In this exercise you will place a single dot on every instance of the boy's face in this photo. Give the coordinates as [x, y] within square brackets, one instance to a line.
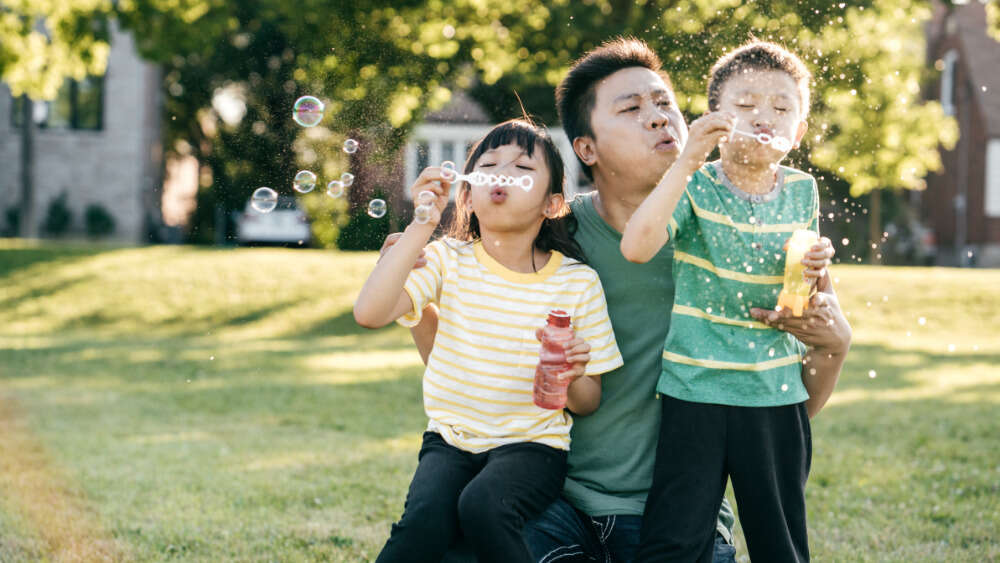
[638, 129]
[763, 101]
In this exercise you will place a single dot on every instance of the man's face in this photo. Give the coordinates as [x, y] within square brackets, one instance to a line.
[638, 129]
[763, 101]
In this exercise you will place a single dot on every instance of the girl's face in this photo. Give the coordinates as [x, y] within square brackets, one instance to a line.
[511, 208]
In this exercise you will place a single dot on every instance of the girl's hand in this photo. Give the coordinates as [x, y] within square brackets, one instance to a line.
[577, 356]
[431, 180]
[705, 133]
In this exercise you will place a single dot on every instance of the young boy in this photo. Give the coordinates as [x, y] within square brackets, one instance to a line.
[733, 402]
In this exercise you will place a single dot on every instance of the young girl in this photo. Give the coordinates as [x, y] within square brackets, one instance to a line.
[490, 458]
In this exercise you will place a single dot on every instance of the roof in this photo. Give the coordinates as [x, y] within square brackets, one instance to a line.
[461, 109]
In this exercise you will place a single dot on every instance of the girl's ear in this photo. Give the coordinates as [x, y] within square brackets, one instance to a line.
[555, 206]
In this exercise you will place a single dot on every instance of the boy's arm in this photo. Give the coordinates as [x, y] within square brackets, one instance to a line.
[382, 299]
[646, 231]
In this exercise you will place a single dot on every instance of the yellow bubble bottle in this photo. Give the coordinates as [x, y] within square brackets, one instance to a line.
[795, 294]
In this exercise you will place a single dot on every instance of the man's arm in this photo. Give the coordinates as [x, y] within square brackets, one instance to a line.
[825, 330]
[423, 333]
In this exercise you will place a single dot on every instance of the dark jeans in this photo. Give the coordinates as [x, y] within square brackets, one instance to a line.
[485, 497]
[766, 451]
[564, 534]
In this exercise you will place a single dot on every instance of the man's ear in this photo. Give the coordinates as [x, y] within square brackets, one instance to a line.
[801, 132]
[586, 149]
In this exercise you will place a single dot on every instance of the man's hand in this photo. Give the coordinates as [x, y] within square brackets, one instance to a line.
[392, 239]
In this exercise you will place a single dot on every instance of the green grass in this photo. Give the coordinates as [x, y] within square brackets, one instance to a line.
[206, 405]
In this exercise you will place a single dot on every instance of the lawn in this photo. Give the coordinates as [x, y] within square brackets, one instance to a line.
[177, 403]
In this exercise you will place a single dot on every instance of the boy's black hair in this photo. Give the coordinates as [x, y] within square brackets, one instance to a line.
[759, 55]
[556, 232]
[576, 94]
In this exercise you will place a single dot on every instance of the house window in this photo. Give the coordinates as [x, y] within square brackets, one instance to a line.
[992, 188]
[78, 105]
[948, 82]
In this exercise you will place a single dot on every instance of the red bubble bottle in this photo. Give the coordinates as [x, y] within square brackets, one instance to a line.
[550, 391]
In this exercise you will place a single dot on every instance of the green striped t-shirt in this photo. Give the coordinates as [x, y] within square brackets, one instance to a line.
[728, 258]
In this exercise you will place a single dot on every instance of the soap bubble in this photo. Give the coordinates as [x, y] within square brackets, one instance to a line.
[422, 214]
[335, 188]
[264, 200]
[872, 374]
[308, 111]
[304, 181]
[347, 179]
[426, 197]
[377, 208]
[350, 146]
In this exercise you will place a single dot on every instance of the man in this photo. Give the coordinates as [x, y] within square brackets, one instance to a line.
[620, 112]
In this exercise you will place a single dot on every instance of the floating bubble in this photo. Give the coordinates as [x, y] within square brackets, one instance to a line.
[377, 208]
[845, 242]
[784, 387]
[422, 214]
[264, 200]
[872, 374]
[347, 179]
[448, 171]
[426, 197]
[921, 321]
[304, 181]
[335, 188]
[308, 111]
[350, 146]
[951, 347]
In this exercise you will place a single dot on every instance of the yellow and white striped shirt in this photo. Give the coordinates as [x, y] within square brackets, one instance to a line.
[479, 377]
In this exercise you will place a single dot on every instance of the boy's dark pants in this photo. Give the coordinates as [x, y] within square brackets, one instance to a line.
[766, 451]
[486, 496]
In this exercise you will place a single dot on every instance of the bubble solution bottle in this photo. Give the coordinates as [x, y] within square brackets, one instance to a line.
[795, 293]
[550, 391]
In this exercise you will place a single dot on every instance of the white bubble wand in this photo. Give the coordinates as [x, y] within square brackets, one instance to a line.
[425, 199]
[777, 142]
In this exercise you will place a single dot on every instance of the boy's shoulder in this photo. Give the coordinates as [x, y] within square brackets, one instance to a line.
[794, 175]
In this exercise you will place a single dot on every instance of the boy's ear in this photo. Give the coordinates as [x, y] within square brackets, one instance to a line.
[801, 132]
[586, 149]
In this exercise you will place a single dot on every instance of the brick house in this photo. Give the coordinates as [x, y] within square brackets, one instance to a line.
[99, 142]
[961, 205]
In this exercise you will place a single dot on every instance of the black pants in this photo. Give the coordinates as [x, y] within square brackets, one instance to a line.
[766, 451]
[487, 497]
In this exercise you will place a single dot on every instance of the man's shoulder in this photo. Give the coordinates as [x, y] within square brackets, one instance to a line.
[582, 202]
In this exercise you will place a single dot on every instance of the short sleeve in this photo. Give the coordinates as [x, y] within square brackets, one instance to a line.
[592, 324]
[683, 211]
[423, 285]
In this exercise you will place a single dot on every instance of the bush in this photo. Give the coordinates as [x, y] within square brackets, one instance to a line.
[59, 216]
[99, 221]
[363, 232]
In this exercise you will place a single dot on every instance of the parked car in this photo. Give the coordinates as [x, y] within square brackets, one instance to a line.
[287, 223]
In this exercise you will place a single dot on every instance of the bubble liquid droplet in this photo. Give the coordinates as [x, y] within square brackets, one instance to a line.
[377, 208]
[422, 214]
[308, 111]
[264, 200]
[872, 374]
[304, 181]
[347, 179]
[335, 188]
[350, 146]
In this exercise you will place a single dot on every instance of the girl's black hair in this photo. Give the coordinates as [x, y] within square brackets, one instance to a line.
[556, 232]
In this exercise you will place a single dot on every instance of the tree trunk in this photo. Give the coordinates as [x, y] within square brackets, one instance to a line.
[27, 226]
[875, 225]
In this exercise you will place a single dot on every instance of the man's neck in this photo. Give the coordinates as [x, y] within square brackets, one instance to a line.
[751, 178]
[616, 202]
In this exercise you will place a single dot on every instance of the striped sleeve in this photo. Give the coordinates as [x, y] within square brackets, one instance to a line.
[423, 285]
[682, 213]
[592, 324]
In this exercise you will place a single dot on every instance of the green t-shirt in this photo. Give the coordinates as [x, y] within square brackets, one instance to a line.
[728, 258]
[612, 450]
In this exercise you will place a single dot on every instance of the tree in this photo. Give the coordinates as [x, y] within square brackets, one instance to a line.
[42, 43]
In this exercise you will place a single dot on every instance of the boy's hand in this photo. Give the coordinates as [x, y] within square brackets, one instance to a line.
[393, 238]
[817, 259]
[705, 133]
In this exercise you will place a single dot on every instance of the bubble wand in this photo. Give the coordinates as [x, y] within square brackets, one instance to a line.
[777, 142]
[425, 199]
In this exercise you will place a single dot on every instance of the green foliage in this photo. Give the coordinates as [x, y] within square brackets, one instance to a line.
[98, 220]
[58, 216]
[327, 216]
[364, 232]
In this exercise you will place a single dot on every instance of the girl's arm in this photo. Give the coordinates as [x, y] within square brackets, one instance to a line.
[584, 394]
[646, 231]
[382, 299]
